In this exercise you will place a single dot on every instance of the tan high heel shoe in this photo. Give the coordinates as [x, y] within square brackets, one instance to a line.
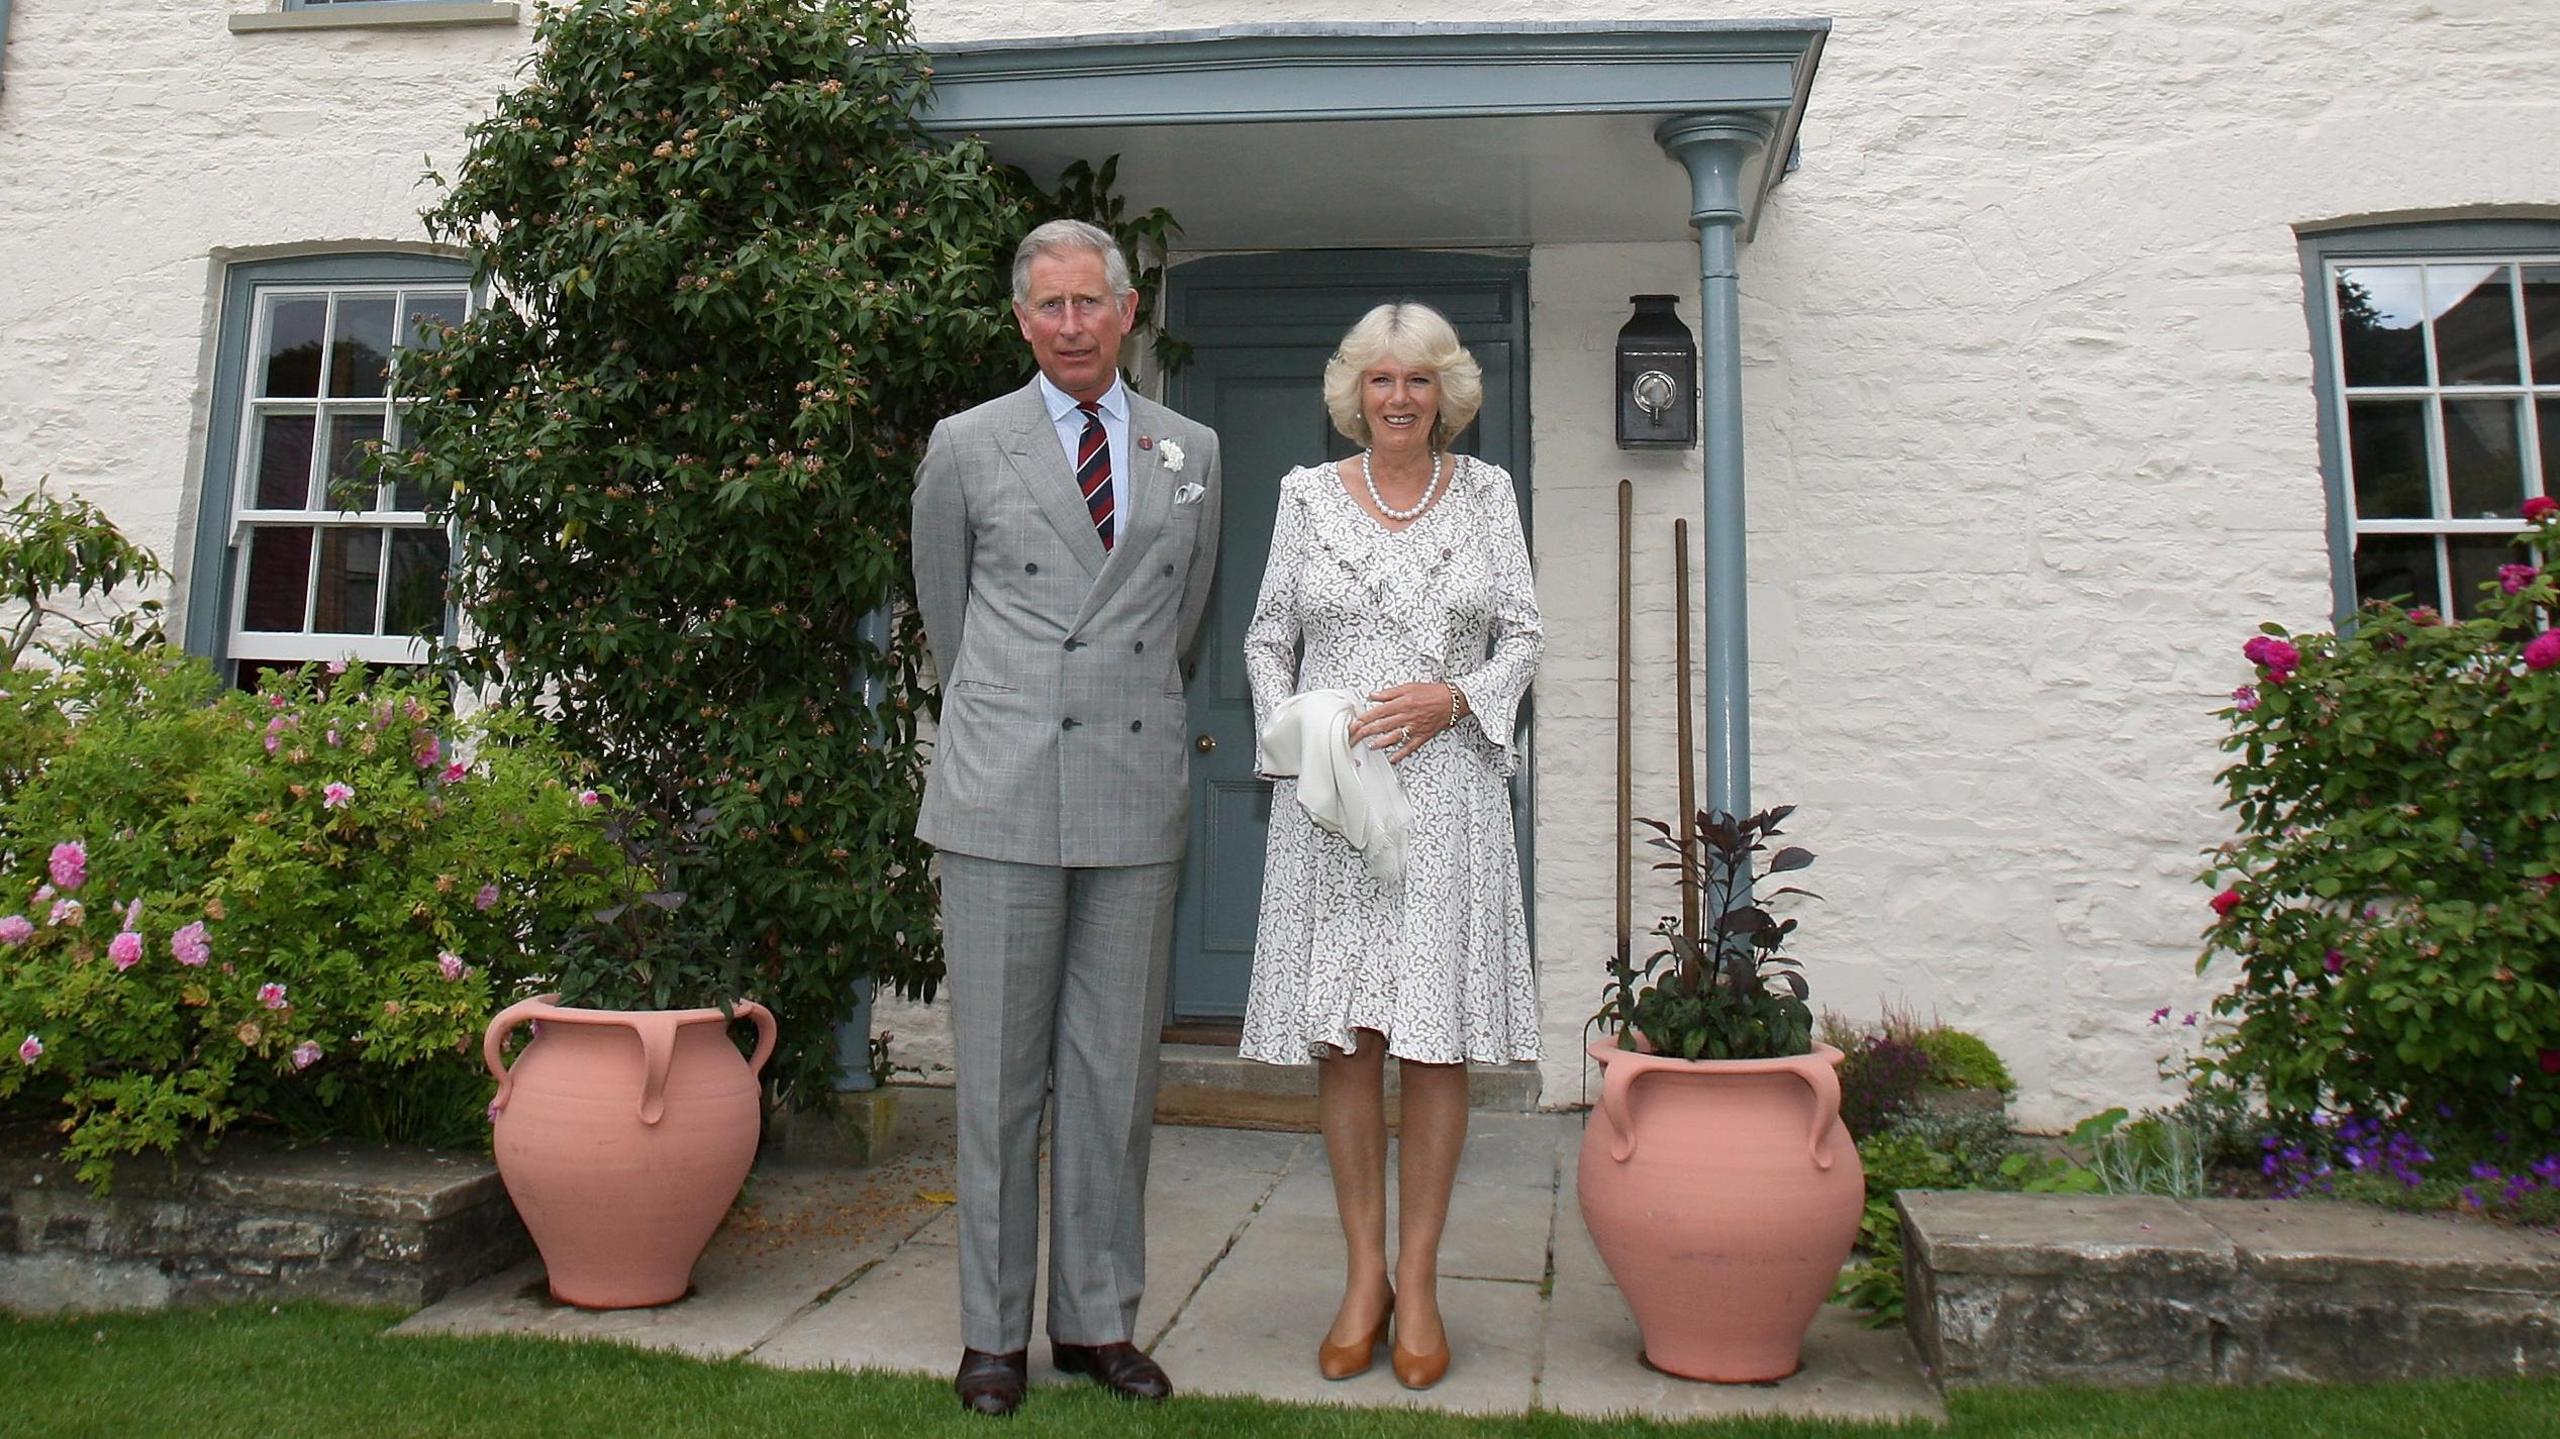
[1347, 1361]
[1418, 1371]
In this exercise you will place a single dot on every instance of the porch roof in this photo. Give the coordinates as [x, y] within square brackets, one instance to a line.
[1332, 135]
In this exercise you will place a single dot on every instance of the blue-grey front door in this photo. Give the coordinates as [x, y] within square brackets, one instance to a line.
[1260, 328]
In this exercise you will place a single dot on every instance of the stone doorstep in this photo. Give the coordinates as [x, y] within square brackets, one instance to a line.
[2009, 1288]
[1210, 1084]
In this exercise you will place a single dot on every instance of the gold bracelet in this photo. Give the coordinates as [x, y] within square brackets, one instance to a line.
[1457, 703]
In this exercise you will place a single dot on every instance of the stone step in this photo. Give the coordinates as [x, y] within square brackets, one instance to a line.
[1210, 1084]
[2142, 1289]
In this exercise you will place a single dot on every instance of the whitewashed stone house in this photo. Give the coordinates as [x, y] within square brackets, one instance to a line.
[2024, 362]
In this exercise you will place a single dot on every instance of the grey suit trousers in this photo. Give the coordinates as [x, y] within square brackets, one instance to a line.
[1060, 972]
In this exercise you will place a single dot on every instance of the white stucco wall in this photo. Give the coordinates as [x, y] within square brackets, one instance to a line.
[2029, 426]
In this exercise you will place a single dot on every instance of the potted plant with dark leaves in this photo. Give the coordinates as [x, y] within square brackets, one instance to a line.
[1716, 1178]
[628, 1122]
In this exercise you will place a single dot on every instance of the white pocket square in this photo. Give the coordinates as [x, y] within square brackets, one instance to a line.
[1190, 494]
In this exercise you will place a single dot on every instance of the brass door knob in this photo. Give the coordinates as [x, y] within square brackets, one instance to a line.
[1205, 743]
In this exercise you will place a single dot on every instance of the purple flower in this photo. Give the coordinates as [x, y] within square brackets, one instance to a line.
[126, 950]
[2190, 1020]
[337, 667]
[30, 1049]
[331, 735]
[589, 799]
[455, 772]
[65, 911]
[271, 742]
[271, 995]
[305, 1055]
[2512, 578]
[70, 864]
[133, 915]
[2245, 698]
[16, 929]
[2159, 1014]
[2544, 652]
[2333, 961]
[486, 899]
[337, 796]
[449, 964]
[190, 946]
[430, 752]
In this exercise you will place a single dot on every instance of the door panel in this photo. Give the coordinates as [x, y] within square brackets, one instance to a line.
[1261, 328]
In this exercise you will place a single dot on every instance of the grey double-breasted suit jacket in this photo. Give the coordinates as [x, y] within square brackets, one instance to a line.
[1063, 730]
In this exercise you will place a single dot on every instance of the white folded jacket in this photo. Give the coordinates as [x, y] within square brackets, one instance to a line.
[1348, 790]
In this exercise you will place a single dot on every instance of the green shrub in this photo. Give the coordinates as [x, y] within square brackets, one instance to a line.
[298, 906]
[2392, 900]
[1959, 1060]
[735, 285]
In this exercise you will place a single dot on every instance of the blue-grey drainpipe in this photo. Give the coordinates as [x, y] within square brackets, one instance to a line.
[1716, 150]
[853, 1037]
[4, 44]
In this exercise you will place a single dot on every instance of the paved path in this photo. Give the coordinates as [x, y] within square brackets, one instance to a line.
[857, 1269]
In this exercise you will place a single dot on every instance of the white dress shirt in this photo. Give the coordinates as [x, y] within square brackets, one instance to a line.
[1069, 423]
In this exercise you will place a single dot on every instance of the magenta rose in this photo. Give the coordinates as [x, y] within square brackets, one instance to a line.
[2226, 902]
[2544, 652]
[2538, 506]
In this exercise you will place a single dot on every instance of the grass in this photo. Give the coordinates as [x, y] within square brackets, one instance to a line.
[316, 1372]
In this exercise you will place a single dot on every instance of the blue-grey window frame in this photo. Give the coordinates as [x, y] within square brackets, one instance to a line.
[2408, 240]
[215, 560]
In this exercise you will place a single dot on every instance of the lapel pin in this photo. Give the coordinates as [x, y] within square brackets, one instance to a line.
[1146, 442]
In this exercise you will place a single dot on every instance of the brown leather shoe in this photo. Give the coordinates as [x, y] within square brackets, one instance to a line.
[1349, 1361]
[992, 1384]
[1121, 1368]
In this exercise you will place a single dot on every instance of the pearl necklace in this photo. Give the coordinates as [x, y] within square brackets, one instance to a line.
[1369, 476]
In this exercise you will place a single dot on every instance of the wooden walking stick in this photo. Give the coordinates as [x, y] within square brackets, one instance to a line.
[1688, 745]
[1626, 800]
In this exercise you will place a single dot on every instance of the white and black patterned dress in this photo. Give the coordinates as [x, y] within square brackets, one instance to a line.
[1439, 962]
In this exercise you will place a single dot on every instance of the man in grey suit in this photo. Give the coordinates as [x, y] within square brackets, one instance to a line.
[1064, 539]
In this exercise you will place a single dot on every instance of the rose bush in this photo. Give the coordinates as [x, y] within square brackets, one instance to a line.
[2392, 901]
[294, 908]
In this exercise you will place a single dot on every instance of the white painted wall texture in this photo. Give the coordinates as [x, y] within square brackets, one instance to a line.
[2029, 423]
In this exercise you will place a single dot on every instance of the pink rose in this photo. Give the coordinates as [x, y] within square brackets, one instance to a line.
[2245, 698]
[2544, 652]
[455, 772]
[271, 995]
[430, 752]
[2226, 902]
[589, 799]
[190, 946]
[30, 1049]
[2512, 578]
[16, 929]
[305, 1055]
[2333, 961]
[65, 911]
[125, 949]
[70, 864]
[2538, 506]
[2277, 657]
[337, 796]
[2425, 616]
[449, 964]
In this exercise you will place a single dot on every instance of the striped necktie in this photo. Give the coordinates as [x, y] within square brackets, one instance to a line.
[1093, 470]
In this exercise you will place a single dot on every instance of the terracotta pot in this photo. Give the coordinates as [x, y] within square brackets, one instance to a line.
[623, 1137]
[1724, 1195]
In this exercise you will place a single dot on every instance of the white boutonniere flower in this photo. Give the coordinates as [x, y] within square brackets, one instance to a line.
[1172, 456]
[1190, 494]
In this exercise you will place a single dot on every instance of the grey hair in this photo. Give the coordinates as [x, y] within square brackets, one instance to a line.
[1059, 237]
[1412, 334]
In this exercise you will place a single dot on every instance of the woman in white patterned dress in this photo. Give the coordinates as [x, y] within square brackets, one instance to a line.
[1404, 576]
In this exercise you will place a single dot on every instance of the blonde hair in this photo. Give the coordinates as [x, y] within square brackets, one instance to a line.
[1410, 334]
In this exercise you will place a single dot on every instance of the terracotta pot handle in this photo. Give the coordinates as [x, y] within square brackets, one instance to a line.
[1818, 1072]
[493, 1042]
[765, 1032]
[1617, 1081]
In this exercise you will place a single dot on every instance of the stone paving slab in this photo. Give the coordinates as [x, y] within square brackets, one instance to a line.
[1244, 1271]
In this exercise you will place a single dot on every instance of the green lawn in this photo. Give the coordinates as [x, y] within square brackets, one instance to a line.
[312, 1373]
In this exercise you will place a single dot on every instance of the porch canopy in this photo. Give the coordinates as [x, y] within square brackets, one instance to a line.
[1413, 136]
[1308, 136]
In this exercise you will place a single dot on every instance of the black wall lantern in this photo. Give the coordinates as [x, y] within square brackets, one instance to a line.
[1657, 397]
